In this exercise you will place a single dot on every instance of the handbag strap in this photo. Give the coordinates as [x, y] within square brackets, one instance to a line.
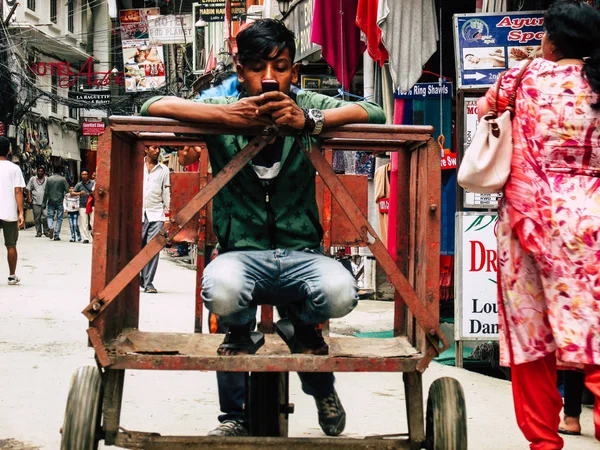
[513, 95]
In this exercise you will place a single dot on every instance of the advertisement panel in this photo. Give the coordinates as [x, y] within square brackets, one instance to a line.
[475, 279]
[134, 23]
[92, 128]
[214, 10]
[488, 44]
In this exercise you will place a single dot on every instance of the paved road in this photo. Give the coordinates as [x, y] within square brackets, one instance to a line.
[43, 340]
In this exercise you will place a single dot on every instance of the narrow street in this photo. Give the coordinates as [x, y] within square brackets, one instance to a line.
[43, 340]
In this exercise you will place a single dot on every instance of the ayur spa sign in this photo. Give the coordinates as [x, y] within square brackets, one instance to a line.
[67, 77]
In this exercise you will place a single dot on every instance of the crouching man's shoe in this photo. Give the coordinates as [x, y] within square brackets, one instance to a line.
[332, 417]
[230, 428]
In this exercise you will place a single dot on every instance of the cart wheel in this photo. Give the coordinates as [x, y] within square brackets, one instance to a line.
[81, 428]
[446, 423]
[267, 407]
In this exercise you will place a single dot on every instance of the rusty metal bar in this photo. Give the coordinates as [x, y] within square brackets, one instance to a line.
[360, 222]
[153, 441]
[133, 268]
[96, 341]
[201, 245]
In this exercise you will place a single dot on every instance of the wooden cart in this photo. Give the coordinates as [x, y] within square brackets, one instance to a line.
[94, 402]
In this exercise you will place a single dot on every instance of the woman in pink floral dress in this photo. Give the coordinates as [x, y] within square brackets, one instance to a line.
[549, 221]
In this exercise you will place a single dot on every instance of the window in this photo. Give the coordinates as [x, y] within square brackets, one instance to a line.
[73, 90]
[83, 18]
[31, 5]
[54, 91]
[71, 7]
[53, 12]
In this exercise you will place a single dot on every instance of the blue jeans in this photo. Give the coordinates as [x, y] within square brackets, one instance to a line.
[73, 218]
[313, 287]
[59, 211]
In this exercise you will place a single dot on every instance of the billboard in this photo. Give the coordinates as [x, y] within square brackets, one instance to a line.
[488, 44]
[476, 303]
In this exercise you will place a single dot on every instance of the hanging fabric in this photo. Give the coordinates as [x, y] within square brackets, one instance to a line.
[382, 198]
[409, 33]
[338, 36]
[366, 20]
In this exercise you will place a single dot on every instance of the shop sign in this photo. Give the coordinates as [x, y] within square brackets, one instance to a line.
[92, 96]
[423, 91]
[92, 128]
[214, 10]
[300, 22]
[471, 121]
[2, 130]
[488, 44]
[384, 205]
[67, 78]
[476, 307]
[93, 143]
[170, 29]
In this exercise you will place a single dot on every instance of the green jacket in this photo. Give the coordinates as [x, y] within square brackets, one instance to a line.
[248, 217]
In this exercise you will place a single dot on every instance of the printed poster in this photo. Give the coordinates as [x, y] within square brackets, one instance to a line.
[488, 44]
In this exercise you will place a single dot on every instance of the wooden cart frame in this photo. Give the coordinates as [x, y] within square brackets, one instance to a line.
[118, 258]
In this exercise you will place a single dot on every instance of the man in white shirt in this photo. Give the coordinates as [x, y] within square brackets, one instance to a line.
[157, 198]
[36, 188]
[11, 206]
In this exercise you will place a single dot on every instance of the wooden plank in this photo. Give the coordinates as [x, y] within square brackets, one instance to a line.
[153, 441]
[413, 193]
[403, 255]
[99, 303]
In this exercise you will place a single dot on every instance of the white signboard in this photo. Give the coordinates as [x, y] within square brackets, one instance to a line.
[473, 199]
[170, 29]
[475, 280]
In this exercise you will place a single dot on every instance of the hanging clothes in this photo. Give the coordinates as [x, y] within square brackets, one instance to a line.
[338, 36]
[366, 20]
[382, 199]
[409, 32]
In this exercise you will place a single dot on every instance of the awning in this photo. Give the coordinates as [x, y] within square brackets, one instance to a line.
[64, 143]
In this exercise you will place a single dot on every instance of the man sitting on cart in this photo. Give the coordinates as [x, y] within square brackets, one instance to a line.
[266, 218]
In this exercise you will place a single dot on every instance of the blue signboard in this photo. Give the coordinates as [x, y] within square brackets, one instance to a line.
[422, 91]
[488, 44]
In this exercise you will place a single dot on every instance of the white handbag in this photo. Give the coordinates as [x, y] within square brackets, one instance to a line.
[485, 166]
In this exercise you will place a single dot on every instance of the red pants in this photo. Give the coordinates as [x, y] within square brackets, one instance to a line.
[538, 402]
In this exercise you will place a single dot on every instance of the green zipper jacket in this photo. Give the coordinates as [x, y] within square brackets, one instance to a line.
[247, 216]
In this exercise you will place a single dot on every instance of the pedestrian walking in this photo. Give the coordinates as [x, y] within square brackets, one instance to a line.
[72, 208]
[157, 199]
[54, 195]
[11, 207]
[549, 221]
[84, 189]
[35, 194]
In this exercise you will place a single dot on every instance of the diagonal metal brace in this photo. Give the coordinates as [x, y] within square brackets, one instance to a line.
[134, 267]
[363, 227]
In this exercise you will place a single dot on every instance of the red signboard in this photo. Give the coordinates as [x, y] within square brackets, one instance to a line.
[1, 128]
[94, 128]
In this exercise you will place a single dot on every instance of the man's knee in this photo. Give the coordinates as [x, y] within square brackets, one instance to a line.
[339, 292]
[224, 286]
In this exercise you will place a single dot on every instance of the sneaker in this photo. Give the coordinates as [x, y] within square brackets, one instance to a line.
[50, 233]
[71, 240]
[38, 235]
[56, 238]
[152, 290]
[230, 428]
[13, 279]
[78, 239]
[86, 241]
[332, 417]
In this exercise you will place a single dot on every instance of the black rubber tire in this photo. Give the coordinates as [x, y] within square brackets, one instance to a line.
[266, 408]
[81, 428]
[446, 421]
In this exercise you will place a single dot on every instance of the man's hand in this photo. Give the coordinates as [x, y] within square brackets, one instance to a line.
[245, 114]
[21, 220]
[283, 110]
[189, 155]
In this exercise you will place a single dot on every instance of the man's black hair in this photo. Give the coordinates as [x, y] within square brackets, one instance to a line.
[262, 38]
[84, 170]
[4, 146]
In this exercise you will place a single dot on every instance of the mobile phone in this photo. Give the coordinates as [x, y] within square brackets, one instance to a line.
[270, 86]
